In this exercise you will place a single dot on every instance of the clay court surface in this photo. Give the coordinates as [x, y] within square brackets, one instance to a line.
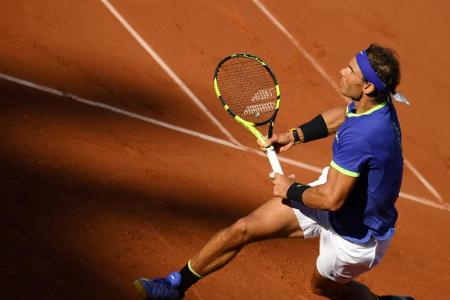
[94, 198]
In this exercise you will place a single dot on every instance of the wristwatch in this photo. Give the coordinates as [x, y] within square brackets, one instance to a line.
[294, 133]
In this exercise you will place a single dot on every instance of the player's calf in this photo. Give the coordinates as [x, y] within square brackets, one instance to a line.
[219, 250]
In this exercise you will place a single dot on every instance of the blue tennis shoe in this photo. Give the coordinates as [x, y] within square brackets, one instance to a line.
[160, 288]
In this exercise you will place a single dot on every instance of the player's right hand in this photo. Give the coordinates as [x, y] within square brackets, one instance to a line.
[281, 142]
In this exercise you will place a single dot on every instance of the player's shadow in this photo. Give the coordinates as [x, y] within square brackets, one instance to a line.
[65, 236]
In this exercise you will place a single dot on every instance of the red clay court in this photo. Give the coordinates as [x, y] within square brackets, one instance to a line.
[117, 161]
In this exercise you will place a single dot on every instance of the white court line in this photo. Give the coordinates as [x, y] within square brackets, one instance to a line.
[167, 69]
[327, 77]
[196, 134]
[302, 50]
[119, 111]
[424, 181]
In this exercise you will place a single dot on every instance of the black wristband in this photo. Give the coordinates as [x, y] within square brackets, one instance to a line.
[314, 129]
[295, 192]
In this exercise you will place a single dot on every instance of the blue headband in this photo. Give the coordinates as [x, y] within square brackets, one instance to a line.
[369, 73]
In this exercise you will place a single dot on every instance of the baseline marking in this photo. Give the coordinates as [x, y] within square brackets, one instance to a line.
[327, 77]
[167, 69]
[29, 84]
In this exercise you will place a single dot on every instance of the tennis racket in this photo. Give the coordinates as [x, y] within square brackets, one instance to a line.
[249, 92]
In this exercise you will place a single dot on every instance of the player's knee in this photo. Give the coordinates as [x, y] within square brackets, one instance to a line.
[239, 232]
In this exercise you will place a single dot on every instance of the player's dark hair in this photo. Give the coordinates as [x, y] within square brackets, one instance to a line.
[385, 63]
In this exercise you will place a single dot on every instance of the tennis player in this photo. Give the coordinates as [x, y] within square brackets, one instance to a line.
[350, 207]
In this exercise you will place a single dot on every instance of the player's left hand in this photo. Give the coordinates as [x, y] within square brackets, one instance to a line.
[281, 184]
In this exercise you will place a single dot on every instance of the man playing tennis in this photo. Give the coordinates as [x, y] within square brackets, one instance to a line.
[350, 207]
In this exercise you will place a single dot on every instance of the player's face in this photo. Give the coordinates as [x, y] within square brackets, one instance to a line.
[351, 84]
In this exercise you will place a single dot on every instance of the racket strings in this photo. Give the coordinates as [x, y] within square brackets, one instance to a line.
[248, 88]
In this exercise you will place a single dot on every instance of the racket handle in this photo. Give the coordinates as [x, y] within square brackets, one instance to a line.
[273, 159]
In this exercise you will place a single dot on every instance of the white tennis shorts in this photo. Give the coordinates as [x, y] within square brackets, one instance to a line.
[339, 259]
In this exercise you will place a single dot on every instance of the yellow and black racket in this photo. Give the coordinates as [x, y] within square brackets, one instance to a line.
[249, 92]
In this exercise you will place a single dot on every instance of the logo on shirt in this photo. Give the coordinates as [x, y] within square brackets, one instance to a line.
[337, 136]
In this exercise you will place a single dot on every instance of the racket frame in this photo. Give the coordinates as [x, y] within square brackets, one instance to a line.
[251, 126]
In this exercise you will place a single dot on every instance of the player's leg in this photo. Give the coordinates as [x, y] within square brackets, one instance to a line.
[273, 219]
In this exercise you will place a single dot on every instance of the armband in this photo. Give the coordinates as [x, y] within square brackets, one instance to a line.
[314, 129]
[295, 192]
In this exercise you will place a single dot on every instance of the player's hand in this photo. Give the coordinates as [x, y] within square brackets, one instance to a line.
[281, 142]
[281, 184]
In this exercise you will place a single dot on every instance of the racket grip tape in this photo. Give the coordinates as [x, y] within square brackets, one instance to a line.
[273, 159]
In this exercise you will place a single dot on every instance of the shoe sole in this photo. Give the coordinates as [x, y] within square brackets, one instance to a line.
[138, 285]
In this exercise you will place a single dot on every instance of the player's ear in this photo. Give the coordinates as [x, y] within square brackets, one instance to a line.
[368, 88]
